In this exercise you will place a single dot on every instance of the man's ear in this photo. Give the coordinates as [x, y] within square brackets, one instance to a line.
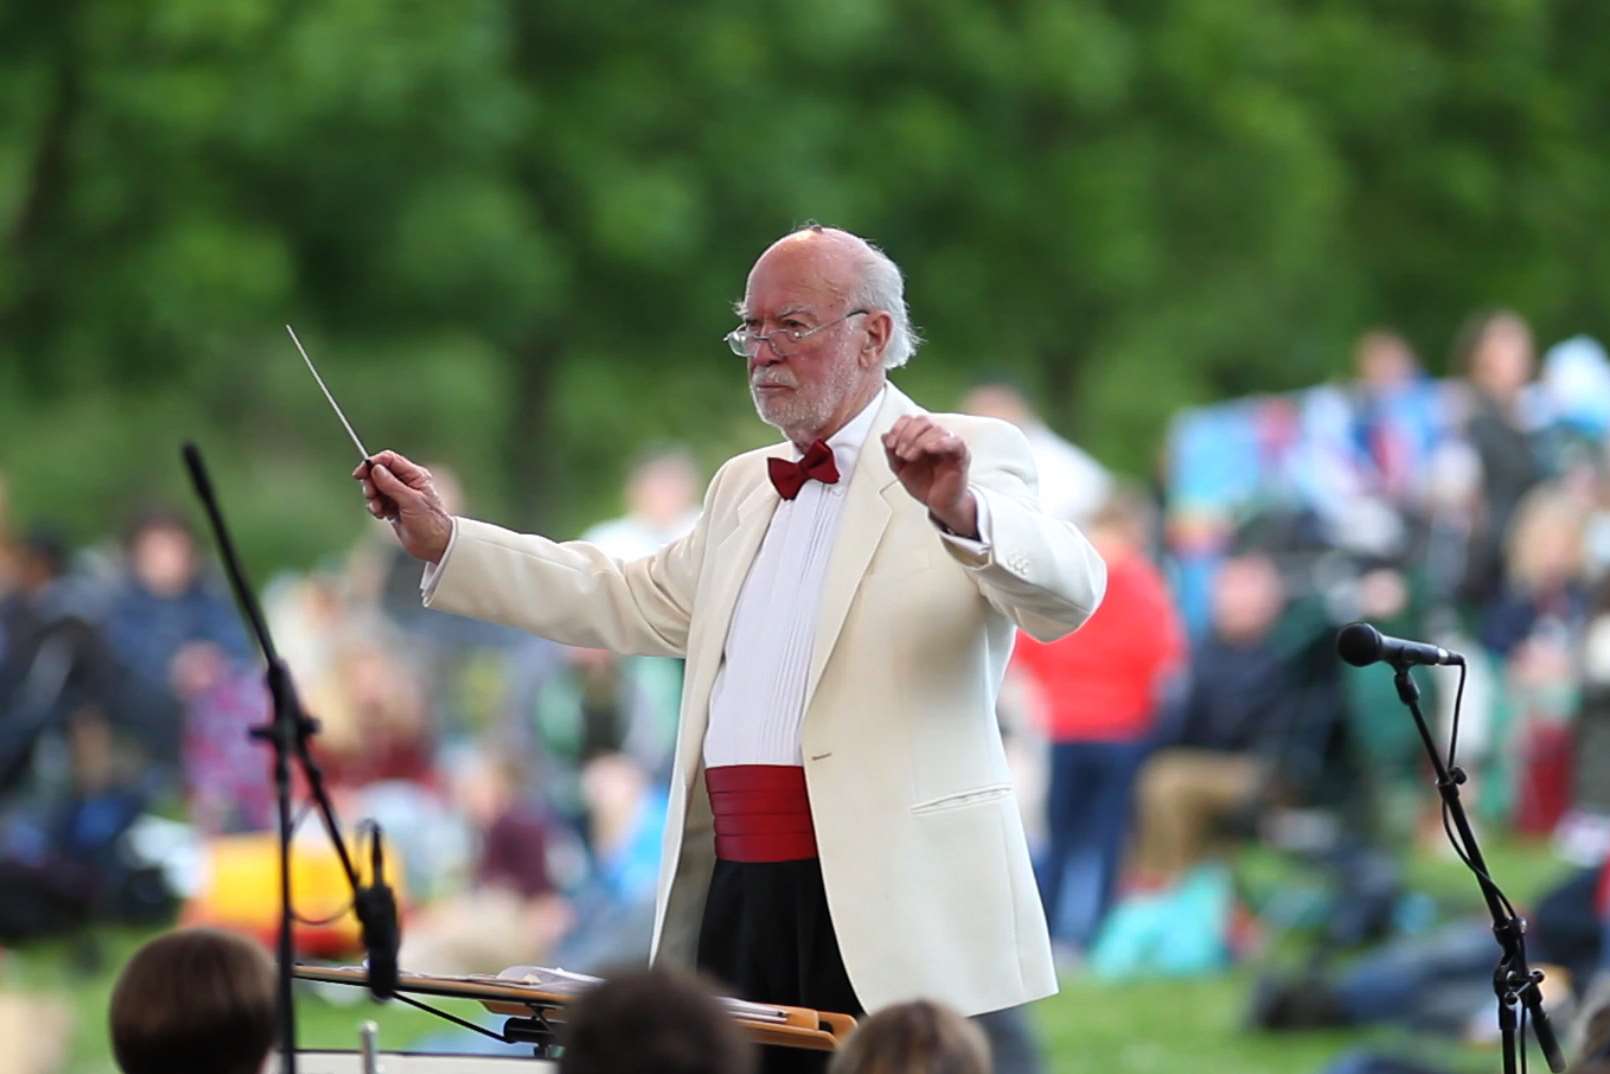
[879, 330]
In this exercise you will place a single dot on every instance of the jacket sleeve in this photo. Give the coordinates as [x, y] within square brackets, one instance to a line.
[1040, 572]
[572, 592]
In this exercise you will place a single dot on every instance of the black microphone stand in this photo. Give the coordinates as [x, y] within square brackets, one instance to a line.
[288, 733]
[1514, 983]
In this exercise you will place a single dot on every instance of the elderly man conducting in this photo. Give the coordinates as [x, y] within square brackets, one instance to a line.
[841, 832]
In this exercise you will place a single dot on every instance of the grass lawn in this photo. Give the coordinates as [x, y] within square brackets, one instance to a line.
[1186, 1026]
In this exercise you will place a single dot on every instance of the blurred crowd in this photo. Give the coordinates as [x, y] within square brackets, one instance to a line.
[521, 784]
[1204, 709]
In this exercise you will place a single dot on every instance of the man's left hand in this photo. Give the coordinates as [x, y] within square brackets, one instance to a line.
[932, 465]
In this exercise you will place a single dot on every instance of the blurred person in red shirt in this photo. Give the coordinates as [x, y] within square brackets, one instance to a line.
[1099, 690]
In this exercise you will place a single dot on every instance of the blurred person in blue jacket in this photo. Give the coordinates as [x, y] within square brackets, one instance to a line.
[1399, 416]
[615, 906]
[171, 631]
[1362, 458]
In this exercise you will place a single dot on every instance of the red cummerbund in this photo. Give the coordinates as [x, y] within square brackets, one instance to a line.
[762, 812]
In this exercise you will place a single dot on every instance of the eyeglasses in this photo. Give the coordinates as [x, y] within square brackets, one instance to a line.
[784, 341]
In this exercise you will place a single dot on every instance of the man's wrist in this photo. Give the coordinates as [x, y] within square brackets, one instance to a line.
[439, 548]
[960, 520]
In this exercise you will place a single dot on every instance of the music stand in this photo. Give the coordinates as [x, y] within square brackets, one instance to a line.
[534, 1013]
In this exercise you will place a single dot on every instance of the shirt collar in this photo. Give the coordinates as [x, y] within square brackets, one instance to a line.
[847, 442]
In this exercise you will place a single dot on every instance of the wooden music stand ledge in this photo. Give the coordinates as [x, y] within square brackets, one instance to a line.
[534, 999]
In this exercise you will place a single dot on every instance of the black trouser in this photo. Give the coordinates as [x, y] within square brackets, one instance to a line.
[767, 936]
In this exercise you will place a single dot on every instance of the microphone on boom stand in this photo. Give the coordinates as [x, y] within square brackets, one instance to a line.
[1515, 983]
[288, 733]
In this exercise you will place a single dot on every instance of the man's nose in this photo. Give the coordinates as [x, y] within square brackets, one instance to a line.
[763, 355]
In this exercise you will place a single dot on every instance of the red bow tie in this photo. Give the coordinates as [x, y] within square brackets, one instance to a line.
[789, 477]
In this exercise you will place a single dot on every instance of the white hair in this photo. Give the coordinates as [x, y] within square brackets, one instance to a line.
[882, 287]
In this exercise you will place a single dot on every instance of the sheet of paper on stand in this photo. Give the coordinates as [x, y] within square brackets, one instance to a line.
[566, 983]
[549, 980]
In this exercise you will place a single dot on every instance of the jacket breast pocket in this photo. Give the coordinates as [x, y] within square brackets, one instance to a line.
[909, 561]
[963, 799]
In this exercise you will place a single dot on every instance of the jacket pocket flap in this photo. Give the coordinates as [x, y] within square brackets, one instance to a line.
[976, 796]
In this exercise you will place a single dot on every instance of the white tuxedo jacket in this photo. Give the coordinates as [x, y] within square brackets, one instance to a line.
[922, 850]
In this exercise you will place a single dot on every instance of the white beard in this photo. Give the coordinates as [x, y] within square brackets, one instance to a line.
[797, 415]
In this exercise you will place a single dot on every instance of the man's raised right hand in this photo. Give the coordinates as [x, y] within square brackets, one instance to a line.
[401, 492]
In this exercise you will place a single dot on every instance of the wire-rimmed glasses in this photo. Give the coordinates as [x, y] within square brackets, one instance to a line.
[784, 341]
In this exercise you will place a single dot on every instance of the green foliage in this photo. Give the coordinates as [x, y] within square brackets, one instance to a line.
[510, 233]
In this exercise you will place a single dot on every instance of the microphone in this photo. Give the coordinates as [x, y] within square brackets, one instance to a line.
[1361, 645]
[377, 916]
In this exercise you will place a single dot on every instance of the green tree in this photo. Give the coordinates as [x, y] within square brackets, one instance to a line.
[510, 233]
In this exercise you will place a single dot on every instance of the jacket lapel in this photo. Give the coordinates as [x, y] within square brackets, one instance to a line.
[866, 515]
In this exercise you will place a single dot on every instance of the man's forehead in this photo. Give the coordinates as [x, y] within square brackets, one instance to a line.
[794, 278]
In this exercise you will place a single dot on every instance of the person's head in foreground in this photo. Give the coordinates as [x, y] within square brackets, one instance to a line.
[194, 1001]
[824, 316]
[653, 1020]
[920, 1037]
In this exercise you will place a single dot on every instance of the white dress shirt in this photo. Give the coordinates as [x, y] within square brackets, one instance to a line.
[758, 700]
